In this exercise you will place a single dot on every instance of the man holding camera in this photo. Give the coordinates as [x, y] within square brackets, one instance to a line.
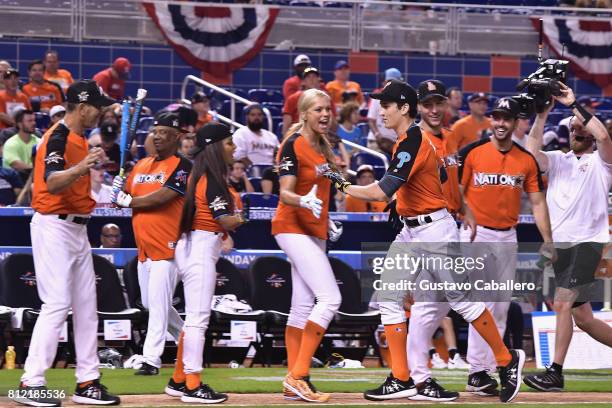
[494, 173]
[578, 184]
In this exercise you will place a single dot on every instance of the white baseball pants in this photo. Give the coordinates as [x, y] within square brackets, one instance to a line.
[65, 279]
[157, 280]
[196, 257]
[311, 278]
[500, 264]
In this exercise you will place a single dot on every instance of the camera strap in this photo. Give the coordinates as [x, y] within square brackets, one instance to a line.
[583, 112]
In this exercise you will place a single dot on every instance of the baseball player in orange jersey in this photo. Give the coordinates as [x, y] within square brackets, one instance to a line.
[300, 228]
[494, 173]
[62, 255]
[414, 175]
[154, 190]
[208, 213]
[426, 317]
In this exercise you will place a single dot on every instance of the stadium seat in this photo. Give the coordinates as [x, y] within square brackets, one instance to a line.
[256, 183]
[145, 123]
[259, 200]
[265, 95]
[226, 110]
[42, 120]
[270, 284]
[365, 129]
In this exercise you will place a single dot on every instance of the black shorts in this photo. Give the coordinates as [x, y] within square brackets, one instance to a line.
[576, 266]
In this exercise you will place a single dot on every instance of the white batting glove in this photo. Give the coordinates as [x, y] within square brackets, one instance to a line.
[121, 199]
[118, 183]
[311, 202]
[334, 230]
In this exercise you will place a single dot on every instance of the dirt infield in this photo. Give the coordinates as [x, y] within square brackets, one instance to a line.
[249, 400]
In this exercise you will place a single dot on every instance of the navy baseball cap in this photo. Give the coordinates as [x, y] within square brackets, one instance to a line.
[588, 101]
[430, 88]
[168, 119]
[341, 64]
[210, 133]
[397, 91]
[87, 91]
[508, 106]
[310, 70]
[478, 96]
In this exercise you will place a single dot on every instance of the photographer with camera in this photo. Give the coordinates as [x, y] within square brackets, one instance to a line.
[577, 197]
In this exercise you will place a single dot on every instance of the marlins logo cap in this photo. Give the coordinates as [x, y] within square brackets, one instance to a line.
[430, 88]
[169, 119]
[87, 91]
[210, 133]
[397, 91]
[508, 106]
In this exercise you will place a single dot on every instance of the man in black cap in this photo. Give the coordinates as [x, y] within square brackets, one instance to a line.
[495, 171]
[420, 208]
[155, 190]
[65, 276]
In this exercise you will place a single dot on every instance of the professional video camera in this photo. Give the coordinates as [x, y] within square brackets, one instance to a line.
[544, 83]
[527, 104]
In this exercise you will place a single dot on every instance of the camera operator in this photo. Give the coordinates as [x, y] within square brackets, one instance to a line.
[577, 197]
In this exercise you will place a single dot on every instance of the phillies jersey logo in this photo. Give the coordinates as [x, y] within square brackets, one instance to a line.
[275, 280]
[285, 164]
[218, 204]
[491, 179]
[404, 157]
[150, 178]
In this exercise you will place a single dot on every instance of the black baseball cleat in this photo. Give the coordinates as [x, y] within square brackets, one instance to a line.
[510, 376]
[174, 389]
[38, 396]
[392, 388]
[549, 380]
[94, 393]
[147, 369]
[430, 390]
[481, 383]
[203, 395]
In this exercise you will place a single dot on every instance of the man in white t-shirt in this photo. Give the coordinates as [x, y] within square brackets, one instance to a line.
[255, 145]
[577, 198]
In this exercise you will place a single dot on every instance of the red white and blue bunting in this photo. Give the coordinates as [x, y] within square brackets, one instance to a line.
[216, 40]
[588, 46]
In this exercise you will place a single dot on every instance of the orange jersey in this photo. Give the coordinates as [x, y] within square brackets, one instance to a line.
[61, 149]
[48, 94]
[62, 77]
[202, 120]
[415, 162]
[297, 158]
[356, 205]
[9, 104]
[468, 130]
[335, 89]
[211, 204]
[291, 106]
[447, 152]
[493, 182]
[156, 230]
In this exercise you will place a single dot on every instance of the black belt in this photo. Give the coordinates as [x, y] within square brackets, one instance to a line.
[496, 229]
[74, 218]
[415, 222]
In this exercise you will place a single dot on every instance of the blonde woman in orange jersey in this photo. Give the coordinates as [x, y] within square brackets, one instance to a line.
[300, 227]
[208, 213]
[414, 175]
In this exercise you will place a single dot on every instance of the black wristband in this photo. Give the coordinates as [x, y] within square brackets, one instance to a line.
[583, 112]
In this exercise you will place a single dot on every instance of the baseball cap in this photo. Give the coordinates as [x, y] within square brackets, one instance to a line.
[56, 109]
[87, 91]
[364, 168]
[169, 119]
[393, 73]
[210, 133]
[478, 96]
[10, 72]
[341, 64]
[310, 70]
[301, 59]
[588, 101]
[397, 91]
[507, 105]
[122, 65]
[430, 88]
[109, 130]
[199, 97]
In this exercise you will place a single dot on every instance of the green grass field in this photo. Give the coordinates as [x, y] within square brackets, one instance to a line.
[268, 380]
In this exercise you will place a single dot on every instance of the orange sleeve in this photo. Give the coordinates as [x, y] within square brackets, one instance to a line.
[359, 94]
[2, 102]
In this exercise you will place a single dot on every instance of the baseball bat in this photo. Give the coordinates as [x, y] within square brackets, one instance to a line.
[131, 130]
[123, 138]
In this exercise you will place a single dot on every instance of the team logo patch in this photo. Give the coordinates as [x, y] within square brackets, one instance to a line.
[275, 281]
[53, 158]
[28, 278]
[180, 177]
[431, 86]
[404, 157]
[504, 103]
[285, 164]
[218, 204]
[83, 96]
[491, 179]
[150, 178]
